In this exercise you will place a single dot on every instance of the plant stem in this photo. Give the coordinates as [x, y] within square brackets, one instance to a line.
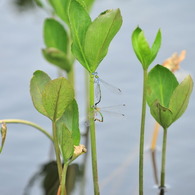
[28, 123]
[163, 162]
[141, 150]
[71, 76]
[57, 150]
[63, 181]
[93, 138]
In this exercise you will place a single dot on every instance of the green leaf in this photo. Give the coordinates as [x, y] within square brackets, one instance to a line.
[144, 53]
[70, 119]
[55, 35]
[99, 35]
[89, 3]
[155, 46]
[61, 8]
[180, 97]
[56, 96]
[79, 23]
[57, 58]
[160, 85]
[39, 3]
[144, 49]
[161, 114]
[134, 39]
[37, 85]
[65, 142]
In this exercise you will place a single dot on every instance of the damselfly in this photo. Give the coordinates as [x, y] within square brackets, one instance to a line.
[98, 116]
[98, 94]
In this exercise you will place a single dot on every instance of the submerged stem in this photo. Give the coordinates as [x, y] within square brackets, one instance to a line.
[93, 138]
[162, 178]
[18, 121]
[141, 150]
[57, 150]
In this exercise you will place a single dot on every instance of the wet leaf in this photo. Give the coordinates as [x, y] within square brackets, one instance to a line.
[56, 96]
[65, 142]
[99, 35]
[57, 58]
[144, 53]
[55, 35]
[37, 85]
[180, 97]
[160, 85]
[70, 119]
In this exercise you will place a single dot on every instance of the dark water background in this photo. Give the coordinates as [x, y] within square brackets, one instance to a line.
[26, 150]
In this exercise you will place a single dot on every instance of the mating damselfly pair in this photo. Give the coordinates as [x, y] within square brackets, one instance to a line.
[97, 114]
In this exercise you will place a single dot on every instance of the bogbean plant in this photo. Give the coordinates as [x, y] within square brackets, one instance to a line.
[166, 98]
[75, 35]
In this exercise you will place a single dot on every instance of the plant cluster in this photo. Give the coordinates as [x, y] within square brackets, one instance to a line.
[70, 35]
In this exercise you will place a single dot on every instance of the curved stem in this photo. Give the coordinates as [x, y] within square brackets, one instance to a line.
[57, 150]
[141, 150]
[63, 181]
[24, 122]
[93, 138]
[162, 178]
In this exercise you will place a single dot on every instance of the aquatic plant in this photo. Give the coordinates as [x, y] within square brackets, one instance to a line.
[145, 55]
[168, 101]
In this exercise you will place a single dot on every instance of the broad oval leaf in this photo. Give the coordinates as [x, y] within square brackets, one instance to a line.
[65, 142]
[57, 57]
[79, 23]
[55, 35]
[56, 96]
[70, 119]
[161, 83]
[61, 8]
[37, 85]
[180, 97]
[99, 35]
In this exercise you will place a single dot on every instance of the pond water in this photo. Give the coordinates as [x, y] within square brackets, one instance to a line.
[26, 150]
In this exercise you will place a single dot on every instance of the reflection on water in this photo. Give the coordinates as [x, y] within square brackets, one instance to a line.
[154, 166]
[162, 191]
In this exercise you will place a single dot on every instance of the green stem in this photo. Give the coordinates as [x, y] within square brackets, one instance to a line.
[70, 76]
[63, 181]
[163, 162]
[18, 121]
[57, 150]
[93, 138]
[141, 150]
